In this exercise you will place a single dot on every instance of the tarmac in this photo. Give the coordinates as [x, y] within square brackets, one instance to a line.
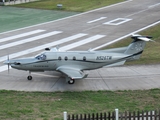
[77, 32]
[141, 77]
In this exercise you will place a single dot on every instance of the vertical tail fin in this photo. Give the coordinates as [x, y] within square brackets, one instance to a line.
[137, 46]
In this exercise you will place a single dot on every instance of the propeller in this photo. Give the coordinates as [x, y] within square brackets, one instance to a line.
[8, 63]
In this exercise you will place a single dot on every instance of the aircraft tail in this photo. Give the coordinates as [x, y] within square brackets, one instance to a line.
[137, 46]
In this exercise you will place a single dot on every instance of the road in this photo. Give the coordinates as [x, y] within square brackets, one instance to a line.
[94, 29]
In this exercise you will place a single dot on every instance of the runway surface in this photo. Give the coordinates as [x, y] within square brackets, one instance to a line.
[93, 29]
[115, 78]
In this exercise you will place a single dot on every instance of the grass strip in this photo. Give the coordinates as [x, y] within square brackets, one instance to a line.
[46, 105]
[69, 5]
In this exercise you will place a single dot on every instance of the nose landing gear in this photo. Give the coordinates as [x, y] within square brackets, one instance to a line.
[29, 77]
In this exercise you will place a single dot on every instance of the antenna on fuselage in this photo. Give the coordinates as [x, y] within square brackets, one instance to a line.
[47, 49]
[90, 49]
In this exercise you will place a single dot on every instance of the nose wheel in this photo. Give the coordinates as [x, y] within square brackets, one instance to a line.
[29, 77]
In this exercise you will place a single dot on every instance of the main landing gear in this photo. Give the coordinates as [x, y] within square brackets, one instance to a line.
[29, 77]
[70, 81]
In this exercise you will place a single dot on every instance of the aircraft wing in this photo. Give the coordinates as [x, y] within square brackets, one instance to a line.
[72, 72]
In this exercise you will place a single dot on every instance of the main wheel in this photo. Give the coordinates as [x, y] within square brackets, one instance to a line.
[71, 81]
[29, 77]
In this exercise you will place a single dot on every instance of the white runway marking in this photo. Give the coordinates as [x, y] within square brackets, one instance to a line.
[90, 39]
[21, 35]
[29, 39]
[35, 49]
[118, 39]
[149, 7]
[136, 13]
[117, 21]
[82, 42]
[113, 5]
[3, 68]
[52, 76]
[101, 18]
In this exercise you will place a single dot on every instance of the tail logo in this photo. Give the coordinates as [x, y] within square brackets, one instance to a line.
[138, 46]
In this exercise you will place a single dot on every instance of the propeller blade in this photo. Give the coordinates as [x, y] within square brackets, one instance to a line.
[8, 63]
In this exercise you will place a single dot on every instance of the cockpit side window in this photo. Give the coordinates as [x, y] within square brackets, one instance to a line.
[41, 57]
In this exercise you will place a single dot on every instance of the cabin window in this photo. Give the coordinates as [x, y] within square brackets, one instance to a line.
[74, 58]
[66, 58]
[84, 58]
[59, 58]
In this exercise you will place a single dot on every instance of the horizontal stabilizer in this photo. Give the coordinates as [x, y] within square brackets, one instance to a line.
[136, 48]
[140, 37]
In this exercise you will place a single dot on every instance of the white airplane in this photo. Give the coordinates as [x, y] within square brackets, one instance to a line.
[73, 63]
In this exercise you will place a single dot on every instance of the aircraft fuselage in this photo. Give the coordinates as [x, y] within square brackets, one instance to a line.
[85, 60]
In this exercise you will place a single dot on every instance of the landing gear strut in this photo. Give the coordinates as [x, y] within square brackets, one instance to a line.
[29, 77]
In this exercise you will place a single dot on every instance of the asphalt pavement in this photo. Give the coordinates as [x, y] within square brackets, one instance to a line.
[115, 78]
[79, 32]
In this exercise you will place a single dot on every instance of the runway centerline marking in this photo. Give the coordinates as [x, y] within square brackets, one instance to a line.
[151, 6]
[117, 21]
[136, 13]
[101, 18]
[118, 39]
[29, 39]
[20, 35]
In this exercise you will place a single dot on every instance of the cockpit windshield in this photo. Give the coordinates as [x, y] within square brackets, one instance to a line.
[41, 57]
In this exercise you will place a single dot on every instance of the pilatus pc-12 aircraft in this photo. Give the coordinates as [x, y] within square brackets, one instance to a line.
[73, 63]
